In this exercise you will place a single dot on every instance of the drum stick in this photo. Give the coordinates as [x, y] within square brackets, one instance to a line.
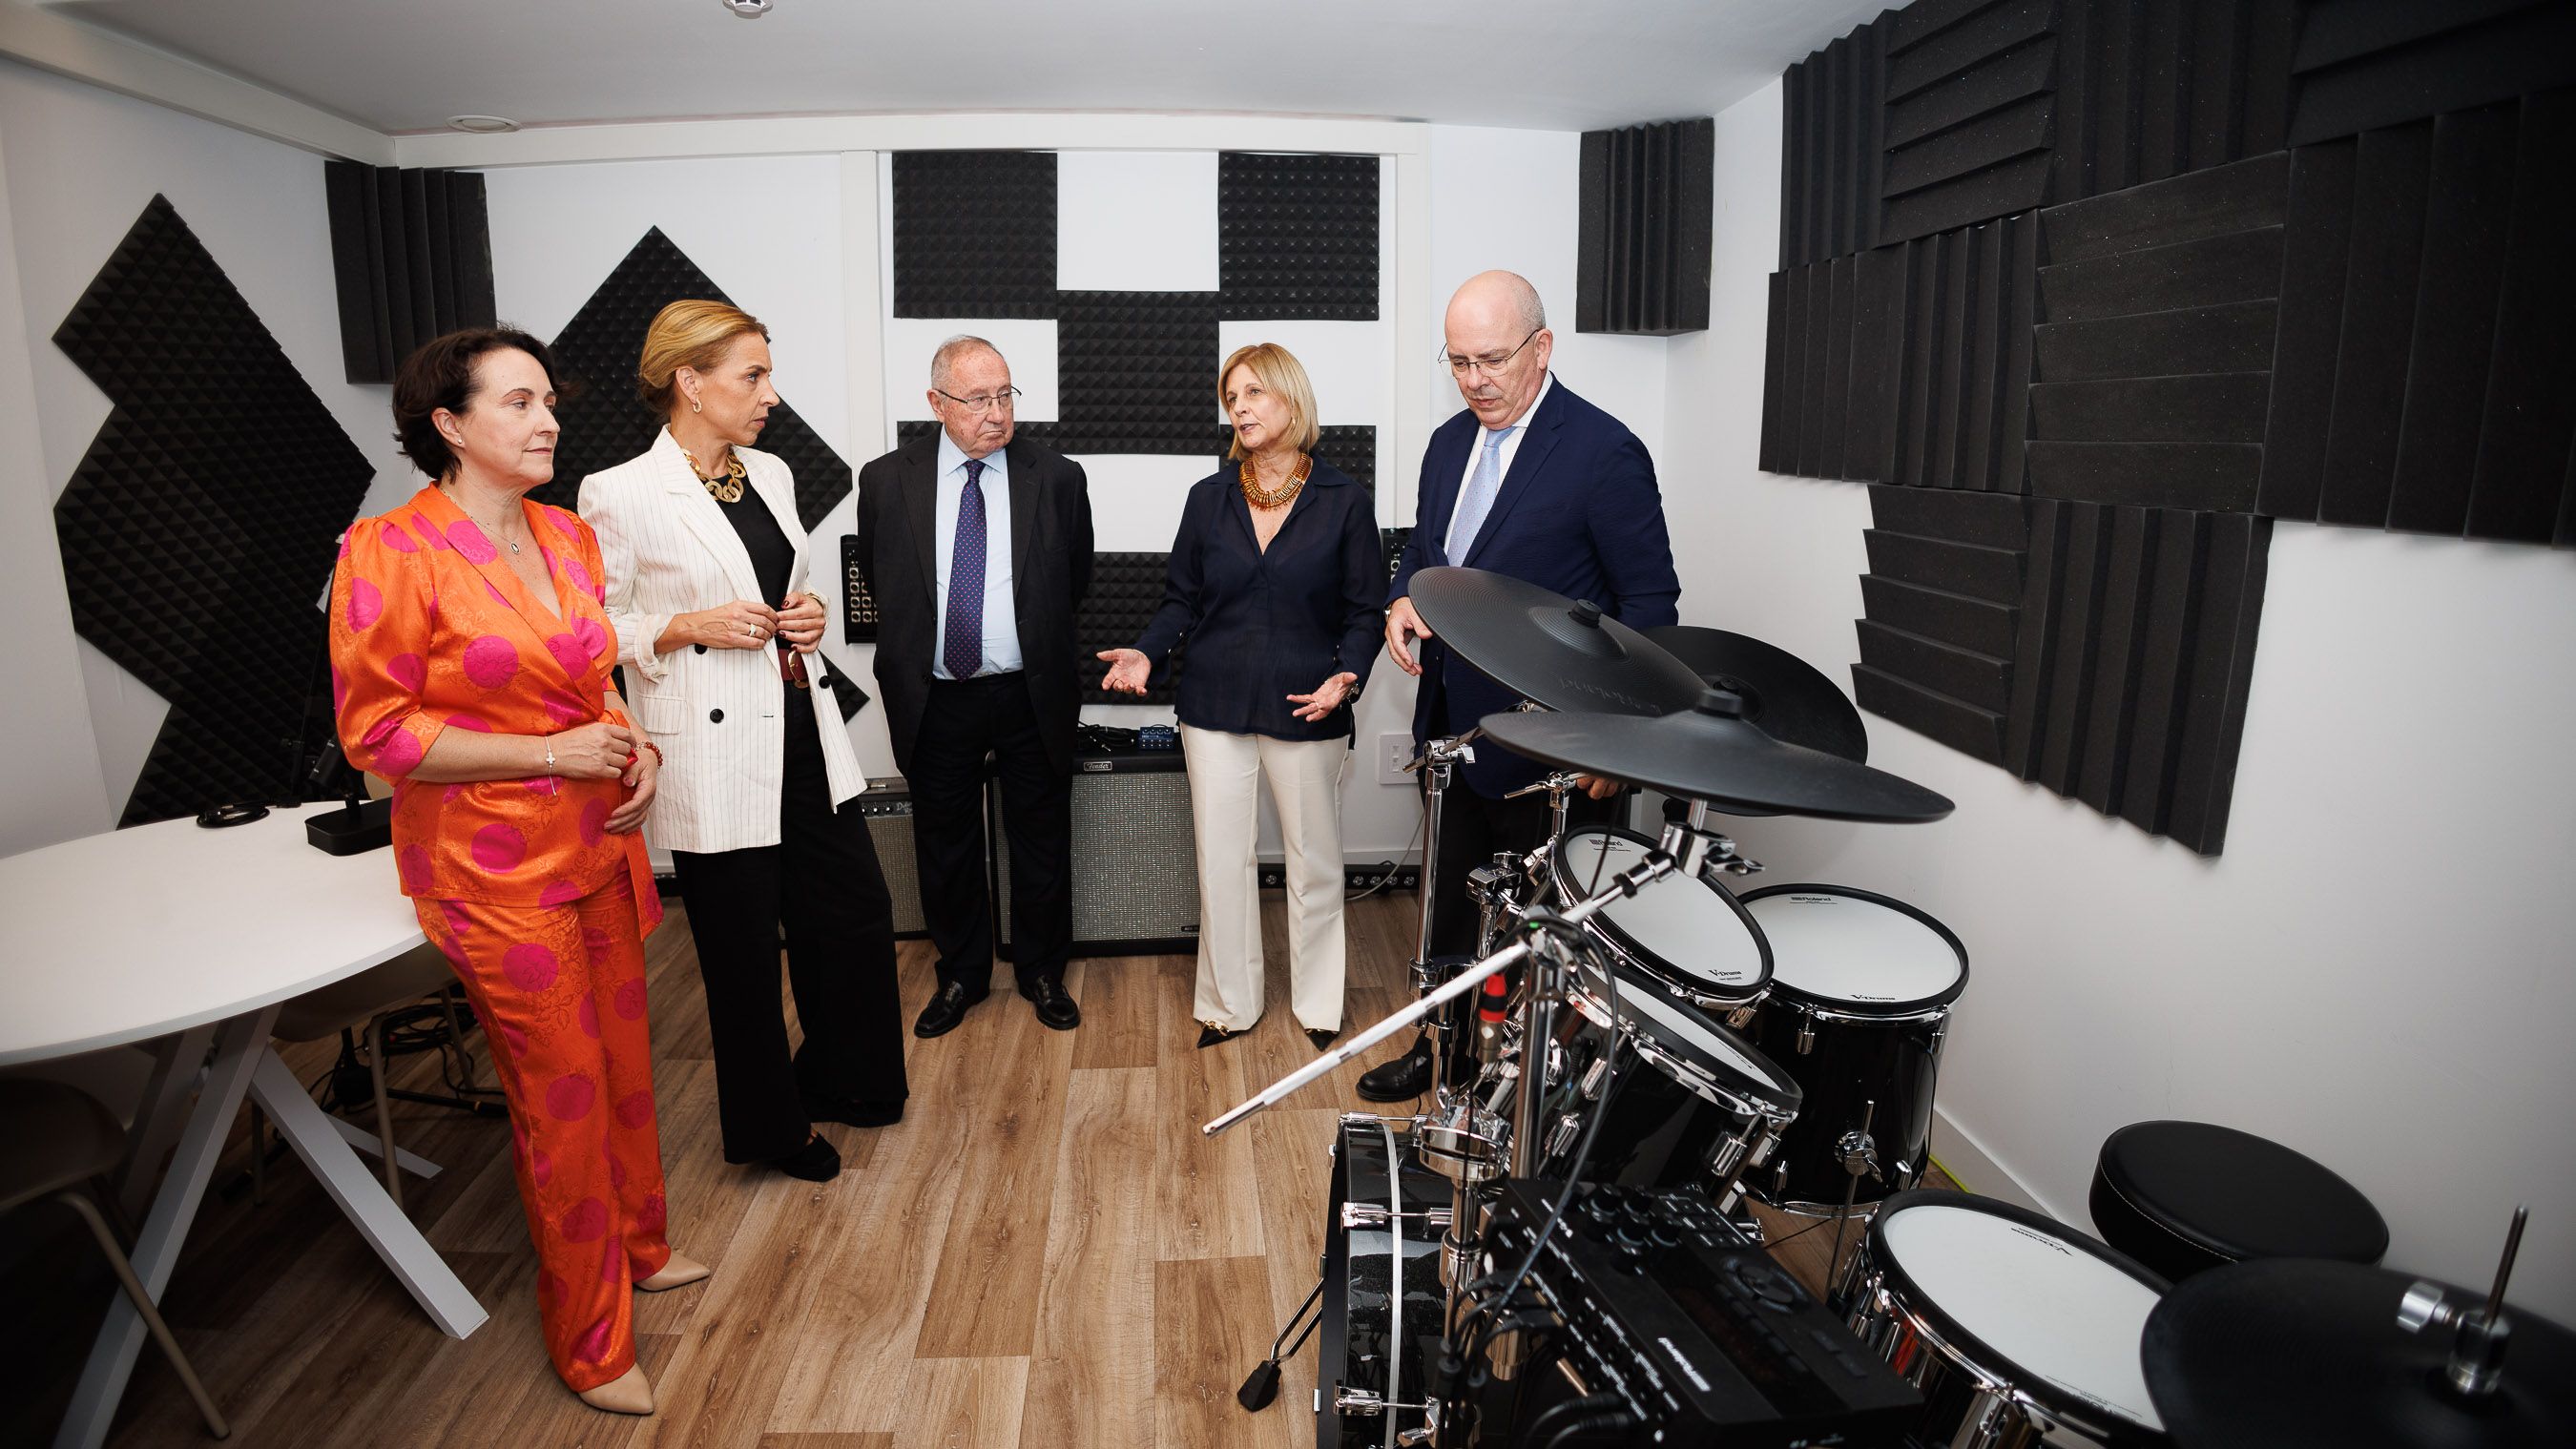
[1288, 1086]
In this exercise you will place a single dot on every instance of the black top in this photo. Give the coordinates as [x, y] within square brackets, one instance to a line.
[1265, 625]
[773, 558]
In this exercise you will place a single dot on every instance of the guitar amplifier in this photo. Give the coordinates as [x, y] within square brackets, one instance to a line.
[1135, 857]
[887, 804]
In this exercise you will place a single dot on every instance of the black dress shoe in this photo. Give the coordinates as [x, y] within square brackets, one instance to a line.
[1323, 1039]
[1401, 1080]
[817, 1161]
[948, 1006]
[1210, 1034]
[1055, 1005]
[853, 1111]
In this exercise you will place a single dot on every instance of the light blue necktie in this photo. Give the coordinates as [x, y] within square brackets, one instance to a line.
[1478, 500]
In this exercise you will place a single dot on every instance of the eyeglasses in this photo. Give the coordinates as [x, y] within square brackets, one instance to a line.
[984, 402]
[1491, 362]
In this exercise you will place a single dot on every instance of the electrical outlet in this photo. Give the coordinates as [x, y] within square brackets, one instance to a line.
[1394, 752]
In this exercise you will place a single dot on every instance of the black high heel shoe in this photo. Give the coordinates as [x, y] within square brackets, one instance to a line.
[1210, 1034]
[817, 1161]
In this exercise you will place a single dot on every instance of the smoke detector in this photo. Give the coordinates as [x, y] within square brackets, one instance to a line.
[747, 9]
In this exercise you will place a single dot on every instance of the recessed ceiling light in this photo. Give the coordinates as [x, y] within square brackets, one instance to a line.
[482, 125]
[747, 9]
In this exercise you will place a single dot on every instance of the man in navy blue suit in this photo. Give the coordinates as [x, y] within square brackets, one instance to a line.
[1531, 481]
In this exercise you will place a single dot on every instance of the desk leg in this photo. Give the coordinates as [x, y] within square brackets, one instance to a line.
[362, 1140]
[432, 1283]
[239, 1044]
[163, 1109]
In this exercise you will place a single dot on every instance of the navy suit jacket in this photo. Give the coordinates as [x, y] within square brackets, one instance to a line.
[1577, 514]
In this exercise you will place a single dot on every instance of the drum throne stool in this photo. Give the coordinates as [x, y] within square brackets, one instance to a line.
[2182, 1197]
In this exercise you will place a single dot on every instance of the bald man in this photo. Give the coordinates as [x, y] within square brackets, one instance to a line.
[1531, 481]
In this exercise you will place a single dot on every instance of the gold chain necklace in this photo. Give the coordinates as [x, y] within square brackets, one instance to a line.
[1260, 497]
[725, 487]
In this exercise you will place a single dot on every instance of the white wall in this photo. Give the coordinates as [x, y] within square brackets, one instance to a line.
[81, 164]
[2376, 972]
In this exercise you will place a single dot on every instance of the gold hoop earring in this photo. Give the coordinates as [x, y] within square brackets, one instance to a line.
[693, 406]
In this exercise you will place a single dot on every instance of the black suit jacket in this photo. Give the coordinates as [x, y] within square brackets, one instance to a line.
[898, 533]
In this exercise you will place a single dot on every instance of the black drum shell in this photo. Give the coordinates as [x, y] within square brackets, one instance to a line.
[1358, 1273]
[1896, 1064]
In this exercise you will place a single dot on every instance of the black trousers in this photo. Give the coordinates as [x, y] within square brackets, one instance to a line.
[965, 720]
[823, 883]
[1472, 830]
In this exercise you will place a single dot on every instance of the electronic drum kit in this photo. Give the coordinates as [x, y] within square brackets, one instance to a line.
[1703, 1048]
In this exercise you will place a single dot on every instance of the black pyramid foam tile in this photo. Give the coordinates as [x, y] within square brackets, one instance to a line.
[1126, 589]
[1137, 371]
[974, 234]
[1296, 236]
[202, 523]
[604, 423]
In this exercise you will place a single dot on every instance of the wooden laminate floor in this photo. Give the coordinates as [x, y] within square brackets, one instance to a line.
[1044, 1252]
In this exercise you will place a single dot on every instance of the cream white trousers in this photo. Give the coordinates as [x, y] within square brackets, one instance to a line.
[1306, 787]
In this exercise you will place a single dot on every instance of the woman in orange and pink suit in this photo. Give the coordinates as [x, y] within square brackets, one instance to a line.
[470, 659]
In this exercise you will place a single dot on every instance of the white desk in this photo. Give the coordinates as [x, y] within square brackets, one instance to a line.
[170, 930]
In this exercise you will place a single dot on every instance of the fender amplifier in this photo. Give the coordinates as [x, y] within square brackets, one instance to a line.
[887, 804]
[1135, 857]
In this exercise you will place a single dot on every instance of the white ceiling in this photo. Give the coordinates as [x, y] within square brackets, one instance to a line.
[407, 65]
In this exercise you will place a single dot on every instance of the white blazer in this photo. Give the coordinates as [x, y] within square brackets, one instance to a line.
[715, 712]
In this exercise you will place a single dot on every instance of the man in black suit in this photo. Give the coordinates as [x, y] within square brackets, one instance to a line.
[977, 549]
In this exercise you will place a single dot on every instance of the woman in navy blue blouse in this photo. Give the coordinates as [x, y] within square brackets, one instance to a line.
[1275, 588]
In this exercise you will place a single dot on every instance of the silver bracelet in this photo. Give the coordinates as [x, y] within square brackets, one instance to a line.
[550, 757]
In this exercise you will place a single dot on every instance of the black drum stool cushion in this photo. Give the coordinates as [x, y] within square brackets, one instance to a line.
[2184, 1196]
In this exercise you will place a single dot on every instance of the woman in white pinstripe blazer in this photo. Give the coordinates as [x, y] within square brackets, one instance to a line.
[706, 565]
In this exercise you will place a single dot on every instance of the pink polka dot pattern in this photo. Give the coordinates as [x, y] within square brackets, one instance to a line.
[579, 575]
[470, 543]
[595, 945]
[612, 1261]
[635, 1109]
[398, 755]
[469, 722]
[492, 661]
[366, 604]
[616, 1172]
[584, 1221]
[594, 821]
[399, 541]
[498, 597]
[499, 848]
[567, 650]
[588, 1017]
[412, 863]
[408, 670]
[564, 523]
[428, 532]
[593, 637]
[592, 1346]
[563, 709]
[629, 1001]
[570, 1097]
[541, 1167]
[653, 1217]
[339, 690]
[530, 966]
[558, 892]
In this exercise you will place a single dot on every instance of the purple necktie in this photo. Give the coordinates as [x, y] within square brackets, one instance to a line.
[964, 652]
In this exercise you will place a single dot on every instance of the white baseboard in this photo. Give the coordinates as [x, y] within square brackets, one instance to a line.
[1973, 1168]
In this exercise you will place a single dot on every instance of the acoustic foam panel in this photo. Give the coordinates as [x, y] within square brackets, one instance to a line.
[2363, 64]
[1137, 372]
[2428, 328]
[1297, 236]
[1942, 595]
[2170, 428]
[1126, 589]
[1951, 112]
[2137, 650]
[411, 256]
[1909, 363]
[1644, 224]
[974, 234]
[219, 466]
[604, 422]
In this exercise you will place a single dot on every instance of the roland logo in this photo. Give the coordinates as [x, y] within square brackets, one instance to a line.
[1818, 900]
[1597, 692]
[1688, 1371]
[2044, 1240]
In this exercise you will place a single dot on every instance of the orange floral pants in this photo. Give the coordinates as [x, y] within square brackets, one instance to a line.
[560, 993]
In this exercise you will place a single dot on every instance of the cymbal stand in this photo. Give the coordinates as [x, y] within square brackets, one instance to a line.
[1437, 764]
[1560, 788]
[2476, 1367]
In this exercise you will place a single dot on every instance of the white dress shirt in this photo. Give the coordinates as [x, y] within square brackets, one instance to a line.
[1001, 621]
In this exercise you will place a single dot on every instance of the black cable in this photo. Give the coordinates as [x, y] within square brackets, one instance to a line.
[1566, 1409]
[1607, 1419]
